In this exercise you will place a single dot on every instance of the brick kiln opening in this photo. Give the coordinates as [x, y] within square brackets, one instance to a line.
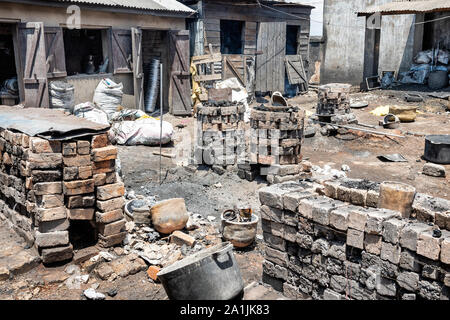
[83, 234]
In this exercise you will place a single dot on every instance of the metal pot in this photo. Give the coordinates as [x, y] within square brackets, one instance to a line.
[211, 274]
[437, 148]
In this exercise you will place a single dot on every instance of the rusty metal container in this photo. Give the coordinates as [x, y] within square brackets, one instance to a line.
[240, 234]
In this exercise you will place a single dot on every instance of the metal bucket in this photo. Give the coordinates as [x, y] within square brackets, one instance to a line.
[437, 148]
[211, 274]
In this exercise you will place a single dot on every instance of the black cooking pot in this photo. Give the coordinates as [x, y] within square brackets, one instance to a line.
[437, 148]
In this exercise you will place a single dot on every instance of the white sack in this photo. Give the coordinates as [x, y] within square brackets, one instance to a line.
[89, 112]
[144, 131]
[108, 95]
[238, 93]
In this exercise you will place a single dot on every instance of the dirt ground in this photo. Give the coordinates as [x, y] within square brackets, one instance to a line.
[208, 193]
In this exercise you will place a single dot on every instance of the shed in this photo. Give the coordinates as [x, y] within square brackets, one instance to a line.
[432, 27]
[48, 40]
[257, 40]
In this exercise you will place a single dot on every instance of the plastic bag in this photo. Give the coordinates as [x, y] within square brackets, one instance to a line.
[417, 74]
[127, 115]
[62, 96]
[238, 93]
[423, 57]
[443, 57]
[108, 96]
[89, 112]
[144, 131]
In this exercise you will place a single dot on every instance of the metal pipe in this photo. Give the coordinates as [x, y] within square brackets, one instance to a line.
[359, 129]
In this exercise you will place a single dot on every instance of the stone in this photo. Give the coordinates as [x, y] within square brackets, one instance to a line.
[442, 219]
[100, 141]
[272, 196]
[108, 217]
[409, 296]
[80, 201]
[110, 205]
[275, 270]
[304, 240]
[375, 219]
[45, 188]
[425, 207]
[445, 251]
[79, 187]
[56, 225]
[181, 238]
[428, 246]
[292, 200]
[104, 271]
[4, 273]
[110, 191]
[357, 219]
[338, 283]
[390, 252]
[103, 167]
[339, 217]
[52, 239]
[84, 172]
[331, 188]
[434, 170]
[152, 272]
[387, 287]
[352, 270]
[110, 241]
[397, 196]
[372, 198]
[392, 229]
[81, 214]
[272, 214]
[77, 161]
[320, 246]
[112, 228]
[431, 271]
[355, 238]
[306, 206]
[337, 250]
[83, 147]
[45, 175]
[104, 154]
[52, 214]
[91, 294]
[372, 243]
[369, 260]
[69, 149]
[410, 233]
[429, 290]
[50, 201]
[39, 145]
[57, 254]
[128, 265]
[409, 261]
[276, 256]
[100, 179]
[321, 212]
[408, 280]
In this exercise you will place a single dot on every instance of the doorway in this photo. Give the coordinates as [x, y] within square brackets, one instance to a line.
[9, 90]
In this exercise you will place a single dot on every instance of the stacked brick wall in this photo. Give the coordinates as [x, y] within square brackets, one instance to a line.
[44, 185]
[220, 135]
[326, 248]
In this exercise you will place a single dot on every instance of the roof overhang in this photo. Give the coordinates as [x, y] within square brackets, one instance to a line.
[407, 7]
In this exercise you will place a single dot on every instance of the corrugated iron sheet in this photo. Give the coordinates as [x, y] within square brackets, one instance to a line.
[152, 5]
[47, 123]
[408, 7]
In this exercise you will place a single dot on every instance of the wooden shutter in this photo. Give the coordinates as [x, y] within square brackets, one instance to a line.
[270, 70]
[33, 62]
[54, 45]
[180, 103]
[121, 51]
[138, 71]
[296, 73]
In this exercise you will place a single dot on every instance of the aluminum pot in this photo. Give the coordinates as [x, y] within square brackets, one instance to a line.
[211, 274]
[437, 148]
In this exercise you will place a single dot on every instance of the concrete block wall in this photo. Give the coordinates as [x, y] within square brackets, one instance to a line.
[45, 185]
[331, 249]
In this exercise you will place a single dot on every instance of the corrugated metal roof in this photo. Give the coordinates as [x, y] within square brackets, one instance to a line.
[153, 5]
[408, 7]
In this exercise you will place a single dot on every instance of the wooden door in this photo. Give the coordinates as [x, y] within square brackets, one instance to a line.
[138, 67]
[295, 70]
[180, 102]
[122, 52]
[54, 52]
[33, 64]
[270, 70]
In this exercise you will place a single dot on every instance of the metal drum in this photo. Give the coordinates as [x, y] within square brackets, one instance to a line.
[437, 148]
